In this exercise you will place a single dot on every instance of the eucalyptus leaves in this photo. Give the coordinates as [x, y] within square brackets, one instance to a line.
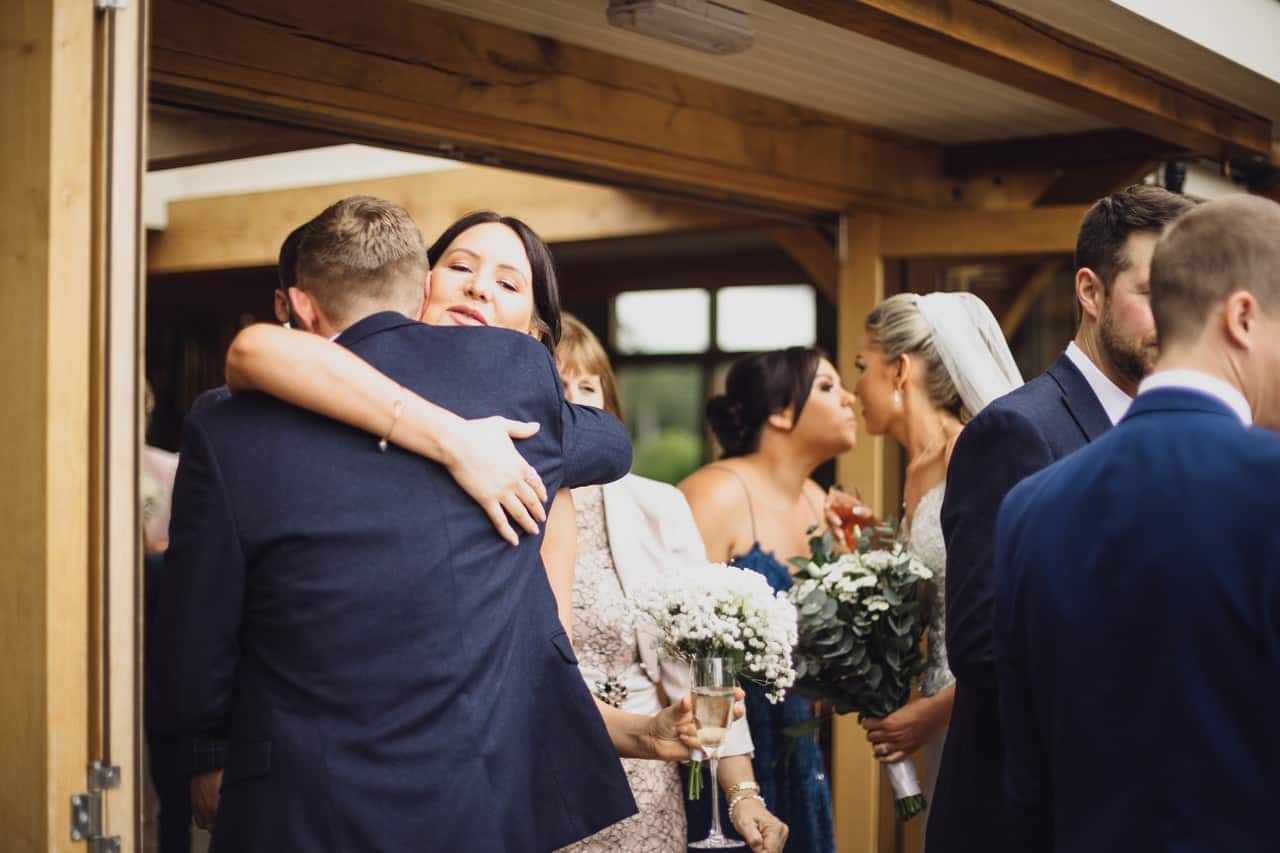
[860, 625]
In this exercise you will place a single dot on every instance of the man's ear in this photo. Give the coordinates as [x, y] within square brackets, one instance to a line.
[1090, 293]
[1240, 316]
[426, 297]
[281, 306]
[305, 309]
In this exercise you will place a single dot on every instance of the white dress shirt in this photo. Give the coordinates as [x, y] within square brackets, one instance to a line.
[1202, 383]
[1114, 401]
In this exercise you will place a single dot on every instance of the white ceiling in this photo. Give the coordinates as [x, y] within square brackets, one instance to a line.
[803, 61]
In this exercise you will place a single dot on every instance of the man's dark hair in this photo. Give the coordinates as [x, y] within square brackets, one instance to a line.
[1109, 222]
[287, 266]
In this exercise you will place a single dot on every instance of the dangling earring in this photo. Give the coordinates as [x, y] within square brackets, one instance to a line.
[897, 398]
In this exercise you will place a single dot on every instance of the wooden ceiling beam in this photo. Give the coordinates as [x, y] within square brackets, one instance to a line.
[424, 78]
[188, 138]
[246, 230]
[976, 233]
[1047, 153]
[1002, 45]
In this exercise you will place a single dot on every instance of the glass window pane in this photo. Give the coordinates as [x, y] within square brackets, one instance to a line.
[662, 321]
[662, 405]
[765, 317]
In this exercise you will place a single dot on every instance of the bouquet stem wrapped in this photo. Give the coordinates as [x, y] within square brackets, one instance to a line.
[860, 625]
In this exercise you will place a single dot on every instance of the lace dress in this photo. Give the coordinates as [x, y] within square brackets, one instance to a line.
[925, 541]
[605, 641]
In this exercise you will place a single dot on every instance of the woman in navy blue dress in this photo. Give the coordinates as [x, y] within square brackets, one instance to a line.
[783, 414]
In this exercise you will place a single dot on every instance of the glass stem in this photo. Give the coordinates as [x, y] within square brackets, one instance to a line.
[716, 832]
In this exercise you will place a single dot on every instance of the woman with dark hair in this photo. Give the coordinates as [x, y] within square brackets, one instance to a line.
[782, 415]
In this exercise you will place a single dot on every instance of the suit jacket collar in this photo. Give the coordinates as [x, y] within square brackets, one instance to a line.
[1079, 398]
[371, 325]
[1181, 401]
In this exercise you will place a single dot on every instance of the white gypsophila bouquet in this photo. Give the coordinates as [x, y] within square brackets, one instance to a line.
[716, 610]
[721, 611]
[860, 625]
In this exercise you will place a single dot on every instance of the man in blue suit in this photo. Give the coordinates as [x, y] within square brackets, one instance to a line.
[389, 673]
[1074, 402]
[1137, 634]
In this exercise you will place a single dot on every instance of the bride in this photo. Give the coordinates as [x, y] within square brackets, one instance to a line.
[928, 364]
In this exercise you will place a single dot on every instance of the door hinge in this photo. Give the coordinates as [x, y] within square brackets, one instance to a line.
[86, 809]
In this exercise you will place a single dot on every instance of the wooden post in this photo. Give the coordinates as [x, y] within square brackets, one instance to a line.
[857, 777]
[46, 152]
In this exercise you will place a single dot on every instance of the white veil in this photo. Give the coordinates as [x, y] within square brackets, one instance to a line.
[972, 347]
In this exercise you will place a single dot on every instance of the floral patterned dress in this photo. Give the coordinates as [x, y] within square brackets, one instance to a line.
[605, 641]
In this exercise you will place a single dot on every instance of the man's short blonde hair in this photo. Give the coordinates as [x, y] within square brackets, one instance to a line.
[1209, 253]
[363, 252]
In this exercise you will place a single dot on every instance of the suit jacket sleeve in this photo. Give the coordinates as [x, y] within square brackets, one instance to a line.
[1026, 781]
[995, 452]
[596, 446]
[203, 590]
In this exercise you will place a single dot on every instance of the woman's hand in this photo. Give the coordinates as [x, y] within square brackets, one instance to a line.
[481, 456]
[842, 511]
[759, 827]
[672, 734]
[904, 731]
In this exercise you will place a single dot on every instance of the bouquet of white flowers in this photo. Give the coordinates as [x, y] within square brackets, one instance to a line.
[860, 625]
[720, 611]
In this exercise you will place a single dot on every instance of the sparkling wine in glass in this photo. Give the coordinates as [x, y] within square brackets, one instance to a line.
[715, 685]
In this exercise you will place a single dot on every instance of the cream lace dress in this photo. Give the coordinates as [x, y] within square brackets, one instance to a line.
[605, 641]
[925, 541]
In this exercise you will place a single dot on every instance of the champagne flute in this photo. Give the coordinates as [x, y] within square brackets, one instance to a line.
[715, 685]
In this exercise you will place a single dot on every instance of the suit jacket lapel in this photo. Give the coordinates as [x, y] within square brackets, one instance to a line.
[1079, 398]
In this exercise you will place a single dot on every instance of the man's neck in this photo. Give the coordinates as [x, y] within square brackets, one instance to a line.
[1089, 342]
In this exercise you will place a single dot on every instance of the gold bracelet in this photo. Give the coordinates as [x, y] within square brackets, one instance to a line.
[746, 785]
[396, 409]
[734, 803]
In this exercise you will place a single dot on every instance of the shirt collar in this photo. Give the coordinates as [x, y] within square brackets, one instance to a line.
[1195, 380]
[1115, 402]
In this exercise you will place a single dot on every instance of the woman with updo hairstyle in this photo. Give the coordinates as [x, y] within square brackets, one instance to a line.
[928, 364]
[783, 414]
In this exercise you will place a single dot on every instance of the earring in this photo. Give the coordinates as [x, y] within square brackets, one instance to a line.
[897, 398]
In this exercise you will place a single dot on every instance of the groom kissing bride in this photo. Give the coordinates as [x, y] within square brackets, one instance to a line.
[389, 674]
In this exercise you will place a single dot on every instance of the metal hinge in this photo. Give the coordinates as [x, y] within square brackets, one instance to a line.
[114, 5]
[86, 810]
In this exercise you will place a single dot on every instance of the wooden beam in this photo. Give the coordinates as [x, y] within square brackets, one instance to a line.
[188, 137]
[246, 230]
[857, 779]
[432, 80]
[1087, 183]
[1028, 294]
[813, 253]
[969, 233]
[46, 156]
[1008, 47]
[1043, 153]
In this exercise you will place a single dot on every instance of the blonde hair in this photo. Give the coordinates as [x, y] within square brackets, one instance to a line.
[900, 329]
[580, 351]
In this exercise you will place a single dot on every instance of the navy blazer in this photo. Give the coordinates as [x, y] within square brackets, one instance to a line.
[1026, 430]
[391, 675]
[1138, 637]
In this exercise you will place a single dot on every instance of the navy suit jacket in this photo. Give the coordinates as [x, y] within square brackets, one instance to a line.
[1138, 637]
[1028, 429]
[391, 675]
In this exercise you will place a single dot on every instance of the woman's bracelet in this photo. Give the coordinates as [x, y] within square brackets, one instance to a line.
[733, 803]
[396, 409]
[738, 788]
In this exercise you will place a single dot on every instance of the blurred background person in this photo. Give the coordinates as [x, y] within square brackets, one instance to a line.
[783, 414]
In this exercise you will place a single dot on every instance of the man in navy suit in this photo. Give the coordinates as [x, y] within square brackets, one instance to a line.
[1078, 399]
[390, 674]
[1137, 633]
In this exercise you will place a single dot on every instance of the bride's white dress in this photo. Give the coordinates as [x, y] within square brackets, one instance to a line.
[924, 539]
